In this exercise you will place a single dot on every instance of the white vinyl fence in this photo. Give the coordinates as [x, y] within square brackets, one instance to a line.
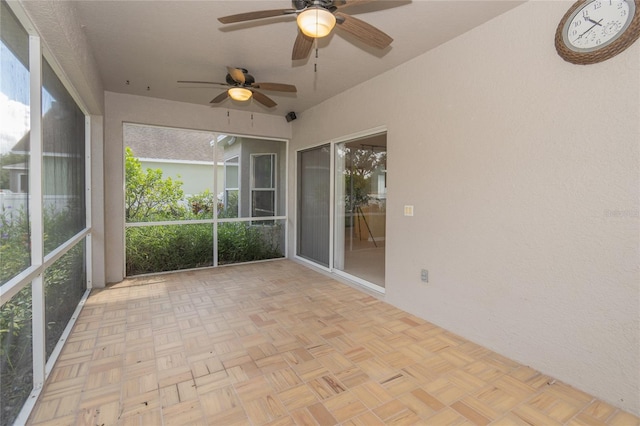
[12, 204]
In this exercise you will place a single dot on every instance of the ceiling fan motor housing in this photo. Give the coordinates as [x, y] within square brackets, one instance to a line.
[248, 79]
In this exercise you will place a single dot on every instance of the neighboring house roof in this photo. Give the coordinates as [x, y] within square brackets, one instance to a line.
[165, 143]
[16, 166]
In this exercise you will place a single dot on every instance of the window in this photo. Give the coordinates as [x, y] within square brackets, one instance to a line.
[257, 231]
[14, 148]
[231, 187]
[190, 196]
[170, 178]
[16, 352]
[43, 215]
[263, 185]
[23, 186]
[63, 162]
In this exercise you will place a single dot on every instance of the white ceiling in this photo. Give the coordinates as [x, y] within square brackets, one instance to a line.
[155, 43]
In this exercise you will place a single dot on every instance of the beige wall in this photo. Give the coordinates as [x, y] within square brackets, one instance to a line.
[523, 170]
[195, 177]
[121, 108]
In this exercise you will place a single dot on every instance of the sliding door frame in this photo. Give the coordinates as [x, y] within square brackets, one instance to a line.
[332, 206]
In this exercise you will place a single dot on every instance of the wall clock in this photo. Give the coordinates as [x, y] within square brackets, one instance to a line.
[595, 30]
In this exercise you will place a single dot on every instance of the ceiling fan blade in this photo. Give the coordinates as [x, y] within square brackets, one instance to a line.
[276, 87]
[236, 74]
[341, 4]
[202, 82]
[221, 97]
[364, 32]
[263, 99]
[258, 14]
[301, 47]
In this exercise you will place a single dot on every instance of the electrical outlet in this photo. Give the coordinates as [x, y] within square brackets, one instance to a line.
[424, 275]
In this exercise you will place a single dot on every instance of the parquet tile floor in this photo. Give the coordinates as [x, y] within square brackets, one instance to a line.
[276, 343]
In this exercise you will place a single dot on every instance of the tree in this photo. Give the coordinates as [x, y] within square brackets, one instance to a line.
[361, 164]
[148, 196]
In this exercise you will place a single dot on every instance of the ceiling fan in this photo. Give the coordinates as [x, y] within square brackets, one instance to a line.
[242, 87]
[316, 18]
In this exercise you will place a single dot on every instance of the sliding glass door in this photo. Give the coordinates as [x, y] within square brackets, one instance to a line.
[360, 208]
[314, 204]
[343, 227]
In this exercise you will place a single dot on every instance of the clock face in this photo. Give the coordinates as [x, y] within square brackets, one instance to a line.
[597, 23]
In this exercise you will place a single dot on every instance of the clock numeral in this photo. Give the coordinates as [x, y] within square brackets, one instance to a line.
[585, 14]
[597, 5]
[577, 24]
[623, 13]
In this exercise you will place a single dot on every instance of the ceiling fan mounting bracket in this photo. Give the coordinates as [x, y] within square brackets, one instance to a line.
[248, 79]
[302, 5]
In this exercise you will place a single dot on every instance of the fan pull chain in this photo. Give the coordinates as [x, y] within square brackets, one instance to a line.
[315, 63]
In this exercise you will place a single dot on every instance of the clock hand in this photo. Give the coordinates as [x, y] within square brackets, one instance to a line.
[590, 28]
[594, 22]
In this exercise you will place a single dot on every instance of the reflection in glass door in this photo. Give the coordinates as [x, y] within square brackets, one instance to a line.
[360, 208]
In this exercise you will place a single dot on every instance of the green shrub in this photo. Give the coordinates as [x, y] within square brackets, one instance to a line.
[16, 371]
[15, 249]
[174, 247]
[64, 285]
[243, 242]
[168, 248]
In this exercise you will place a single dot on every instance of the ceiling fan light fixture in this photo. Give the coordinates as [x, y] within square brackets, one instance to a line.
[239, 93]
[316, 22]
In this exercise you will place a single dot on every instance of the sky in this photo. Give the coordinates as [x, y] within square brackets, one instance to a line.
[14, 100]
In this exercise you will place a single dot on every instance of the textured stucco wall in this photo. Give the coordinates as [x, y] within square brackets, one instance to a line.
[523, 170]
[59, 27]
